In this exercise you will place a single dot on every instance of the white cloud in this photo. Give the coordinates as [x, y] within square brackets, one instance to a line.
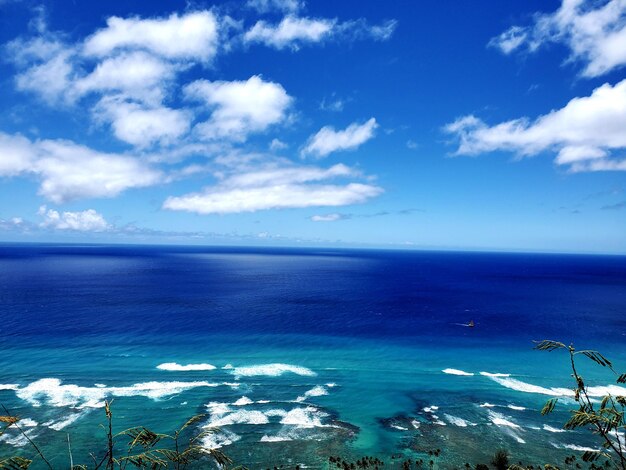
[276, 188]
[69, 171]
[239, 107]
[16, 155]
[328, 140]
[327, 218]
[190, 36]
[586, 129]
[143, 126]
[265, 6]
[294, 31]
[277, 144]
[291, 31]
[595, 33]
[50, 79]
[137, 74]
[361, 29]
[85, 221]
[511, 39]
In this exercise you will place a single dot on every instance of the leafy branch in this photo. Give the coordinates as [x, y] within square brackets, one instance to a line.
[606, 420]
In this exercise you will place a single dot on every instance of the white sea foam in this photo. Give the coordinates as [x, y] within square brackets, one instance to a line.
[271, 370]
[267, 438]
[574, 447]
[217, 408]
[16, 440]
[496, 374]
[243, 401]
[331, 384]
[415, 423]
[261, 402]
[314, 392]
[9, 386]
[501, 420]
[219, 439]
[456, 372]
[520, 386]
[27, 423]
[400, 428]
[516, 408]
[430, 409]
[551, 429]
[458, 421]
[239, 417]
[173, 366]
[54, 393]
[308, 417]
[487, 405]
[59, 425]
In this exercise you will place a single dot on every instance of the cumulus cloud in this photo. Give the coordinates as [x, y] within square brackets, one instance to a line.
[328, 140]
[293, 31]
[583, 132]
[190, 36]
[276, 188]
[131, 67]
[141, 125]
[595, 33]
[46, 65]
[84, 221]
[136, 74]
[239, 107]
[68, 171]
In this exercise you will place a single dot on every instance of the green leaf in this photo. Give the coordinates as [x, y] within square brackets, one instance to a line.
[598, 358]
[15, 463]
[142, 436]
[591, 455]
[145, 460]
[604, 402]
[549, 345]
[549, 406]
[193, 420]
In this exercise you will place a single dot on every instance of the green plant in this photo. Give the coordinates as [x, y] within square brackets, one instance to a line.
[500, 460]
[144, 449]
[606, 419]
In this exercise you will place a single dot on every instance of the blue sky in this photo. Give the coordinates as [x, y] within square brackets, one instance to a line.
[473, 125]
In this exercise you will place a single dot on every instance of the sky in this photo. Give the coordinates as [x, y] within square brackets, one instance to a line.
[482, 125]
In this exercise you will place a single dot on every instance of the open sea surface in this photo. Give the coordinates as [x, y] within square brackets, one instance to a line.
[300, 354]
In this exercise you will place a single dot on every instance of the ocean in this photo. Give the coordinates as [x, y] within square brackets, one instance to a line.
[297, 355]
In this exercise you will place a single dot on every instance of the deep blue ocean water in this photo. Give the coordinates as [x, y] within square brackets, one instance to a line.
[303, 353]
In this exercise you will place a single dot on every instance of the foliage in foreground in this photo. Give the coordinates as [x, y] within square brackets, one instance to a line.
[605, 419]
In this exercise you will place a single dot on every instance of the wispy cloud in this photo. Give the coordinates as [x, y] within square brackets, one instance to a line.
[276, 188]
[595, 33]
[617, 206]
[293, 31]
[334, 217]
[328, 140]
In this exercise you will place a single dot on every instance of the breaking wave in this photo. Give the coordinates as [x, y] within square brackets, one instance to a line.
[270, 370]
[456, 372]
[173, 366]
[54, 393]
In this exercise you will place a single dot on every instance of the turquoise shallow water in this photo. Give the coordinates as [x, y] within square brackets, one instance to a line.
[314, 354]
